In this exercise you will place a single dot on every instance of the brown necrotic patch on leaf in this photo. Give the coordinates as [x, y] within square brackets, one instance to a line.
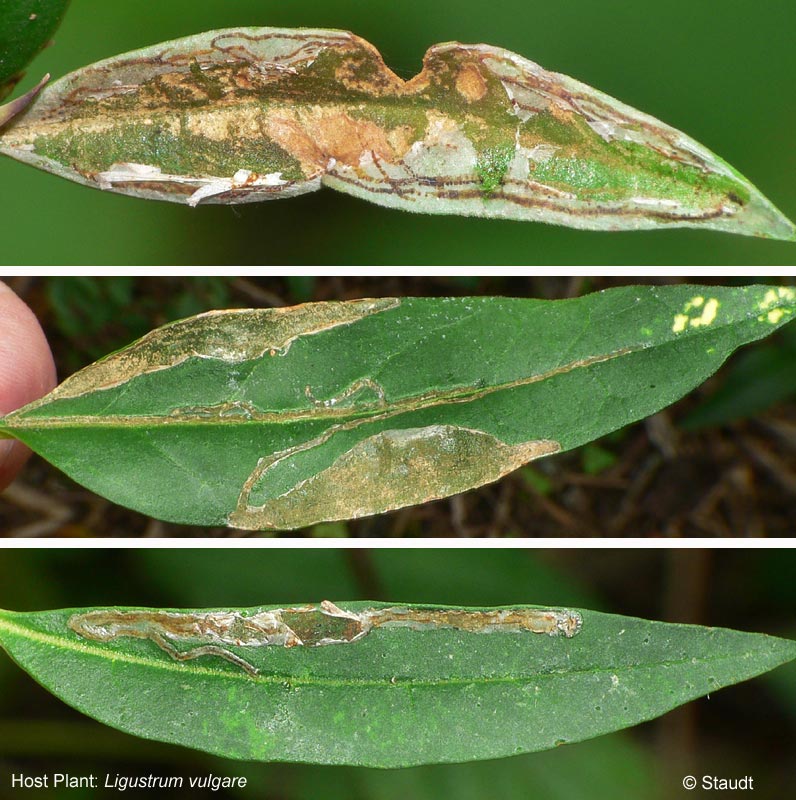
[388, 470]
[470, 83]
[258, 113]
[322, 135]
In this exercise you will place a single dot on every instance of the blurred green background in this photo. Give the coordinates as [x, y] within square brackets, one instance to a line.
[723, 73]
[744, 729]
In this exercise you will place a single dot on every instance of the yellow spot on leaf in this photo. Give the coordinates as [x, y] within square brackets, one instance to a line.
[680, 322]
[709, 309]
[775, 315]
[786, 293]
[774, 296]
[769, 299]
[708, 313]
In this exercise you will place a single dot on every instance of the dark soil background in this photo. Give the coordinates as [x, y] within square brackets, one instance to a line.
[721, 462]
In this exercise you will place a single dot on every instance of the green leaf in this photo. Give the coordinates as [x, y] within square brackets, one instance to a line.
[281, 418]
[249, 114]
[389, 698]
[759, 379]
[26, 26]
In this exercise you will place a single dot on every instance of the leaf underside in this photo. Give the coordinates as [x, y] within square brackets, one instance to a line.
[251, 114]
[281, 418]
[392, 698]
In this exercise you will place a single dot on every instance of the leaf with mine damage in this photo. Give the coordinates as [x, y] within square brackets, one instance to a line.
[387, 698]
[249, 114]
[281, 418]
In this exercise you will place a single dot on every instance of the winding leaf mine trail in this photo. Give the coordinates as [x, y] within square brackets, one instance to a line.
[282, 418]
[211, 633]
[250, 114]
[443, 459]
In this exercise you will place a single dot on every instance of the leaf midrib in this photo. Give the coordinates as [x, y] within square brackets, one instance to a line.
[462, 394]
[281, 680]
[405, 405]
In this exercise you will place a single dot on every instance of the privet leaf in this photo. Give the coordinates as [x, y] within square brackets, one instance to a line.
[250, 114]
[280, 418]
[390, 698]
[26, 26]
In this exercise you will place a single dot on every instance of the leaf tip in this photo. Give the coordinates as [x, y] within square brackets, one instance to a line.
[760, 217]
[16, 107]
